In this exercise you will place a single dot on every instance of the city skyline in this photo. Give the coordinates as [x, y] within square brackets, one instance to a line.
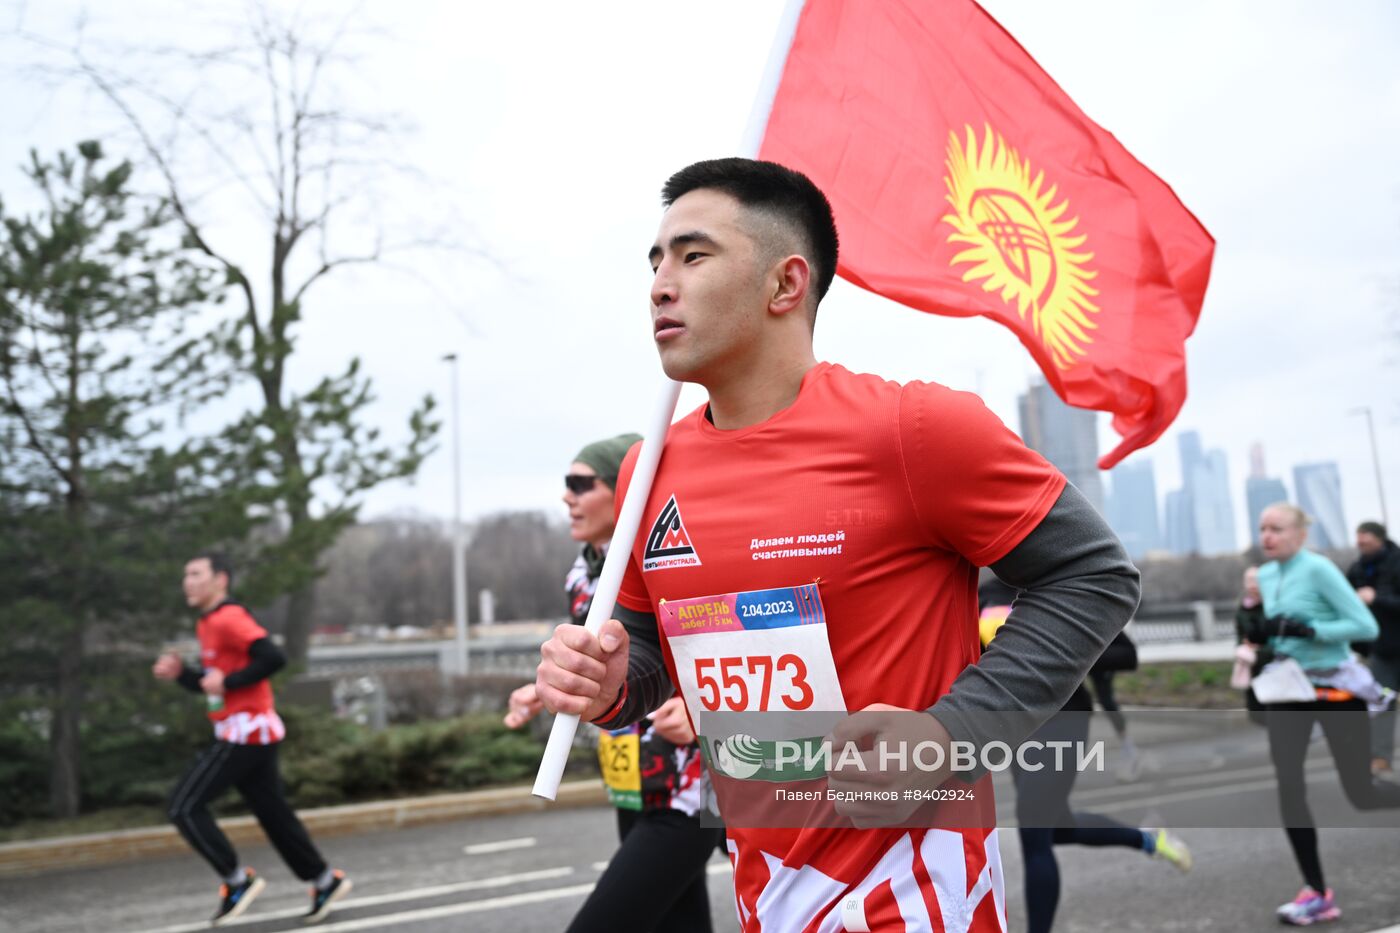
[1318, 487]
[1064, 435]
[542, 312]
[1200, 517]
[1317, 491]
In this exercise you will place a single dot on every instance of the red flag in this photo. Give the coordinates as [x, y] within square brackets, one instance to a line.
[966, 182]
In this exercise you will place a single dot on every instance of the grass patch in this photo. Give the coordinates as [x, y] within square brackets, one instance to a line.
[326, 761]
[1186, 684]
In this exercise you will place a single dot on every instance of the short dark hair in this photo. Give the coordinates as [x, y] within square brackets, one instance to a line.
[772, 189]
[1373, 528]
[218, 563]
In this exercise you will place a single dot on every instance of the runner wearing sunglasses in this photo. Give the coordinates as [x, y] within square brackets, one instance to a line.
[653, 770]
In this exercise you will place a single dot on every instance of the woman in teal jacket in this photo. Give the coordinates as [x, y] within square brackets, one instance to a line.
[1311, 614]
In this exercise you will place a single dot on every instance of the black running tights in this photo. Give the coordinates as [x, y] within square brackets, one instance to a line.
[1347, 728]
[656, 879]
[252, 769]
[1046, 820]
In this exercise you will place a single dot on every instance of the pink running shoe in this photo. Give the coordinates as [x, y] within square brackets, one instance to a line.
[1309, 907]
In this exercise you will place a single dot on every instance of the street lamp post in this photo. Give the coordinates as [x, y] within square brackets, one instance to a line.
[1375, 458]
[459, 542]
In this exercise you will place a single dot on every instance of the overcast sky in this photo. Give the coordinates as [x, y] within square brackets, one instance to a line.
[543, 132]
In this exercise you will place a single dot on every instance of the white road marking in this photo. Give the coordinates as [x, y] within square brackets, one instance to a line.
[1097, 793]
[1236, 787]
[504, 845]
[471, 907]
[452, 910]
[413, 894]
[1201, 793]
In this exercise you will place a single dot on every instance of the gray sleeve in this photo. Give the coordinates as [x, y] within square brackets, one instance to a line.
[648, 682]
[1078, 590]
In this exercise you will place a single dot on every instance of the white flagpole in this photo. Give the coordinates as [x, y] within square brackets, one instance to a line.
[629, 520]
[561, 735]
[772, 77]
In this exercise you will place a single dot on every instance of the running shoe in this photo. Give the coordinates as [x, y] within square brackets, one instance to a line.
[235, 898]
[323, 898]
[1308, 908]
[1171, 849]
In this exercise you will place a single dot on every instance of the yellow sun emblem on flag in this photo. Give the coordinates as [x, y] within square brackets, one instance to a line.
[1020, 242]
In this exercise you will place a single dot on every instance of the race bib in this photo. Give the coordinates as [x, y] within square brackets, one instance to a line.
[764, 651]
[619, 756]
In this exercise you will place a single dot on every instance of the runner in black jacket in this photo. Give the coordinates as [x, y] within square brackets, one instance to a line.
[1376, 578]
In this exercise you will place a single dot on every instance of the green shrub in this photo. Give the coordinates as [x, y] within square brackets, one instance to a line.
[141, 735]
[24, 765]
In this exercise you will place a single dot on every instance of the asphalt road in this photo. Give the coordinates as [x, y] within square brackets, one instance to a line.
[528, 873]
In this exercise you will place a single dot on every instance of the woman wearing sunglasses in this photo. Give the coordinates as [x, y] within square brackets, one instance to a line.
[653, 770]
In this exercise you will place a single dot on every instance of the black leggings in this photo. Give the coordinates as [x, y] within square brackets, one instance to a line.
[1045, 820]
[1347, 728]
[656, 879]
[1102, 682]
[252, 769]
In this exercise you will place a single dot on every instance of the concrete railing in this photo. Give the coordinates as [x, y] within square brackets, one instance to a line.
[1198, 621]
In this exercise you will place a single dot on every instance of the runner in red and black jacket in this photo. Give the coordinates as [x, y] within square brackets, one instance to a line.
[236, 659]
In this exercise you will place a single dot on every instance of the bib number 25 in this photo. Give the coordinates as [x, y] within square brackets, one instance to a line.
[760, 680]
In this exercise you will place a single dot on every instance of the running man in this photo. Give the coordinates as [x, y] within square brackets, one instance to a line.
[1376, 578]
[870, 505]
[237, 658]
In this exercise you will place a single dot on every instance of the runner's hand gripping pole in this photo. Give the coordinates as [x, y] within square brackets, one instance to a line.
[629, 520]
[561, 737]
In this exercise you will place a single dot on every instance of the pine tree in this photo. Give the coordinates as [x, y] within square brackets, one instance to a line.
[104, 488]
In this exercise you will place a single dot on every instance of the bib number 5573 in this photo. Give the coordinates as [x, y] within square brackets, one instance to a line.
[736, 682]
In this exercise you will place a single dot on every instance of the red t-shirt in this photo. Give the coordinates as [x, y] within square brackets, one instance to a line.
[248, 716]
[889, 498]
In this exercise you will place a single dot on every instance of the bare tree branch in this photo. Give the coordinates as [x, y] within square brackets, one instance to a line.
[35, 443]
[328, 265]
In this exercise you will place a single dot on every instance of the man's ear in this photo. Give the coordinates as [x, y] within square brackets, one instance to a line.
[791, 281]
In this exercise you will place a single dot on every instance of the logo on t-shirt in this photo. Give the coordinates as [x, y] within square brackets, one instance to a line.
[668, 545]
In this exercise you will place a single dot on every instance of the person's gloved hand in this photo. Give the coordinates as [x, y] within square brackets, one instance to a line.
[1288, 627]
[1257, 631]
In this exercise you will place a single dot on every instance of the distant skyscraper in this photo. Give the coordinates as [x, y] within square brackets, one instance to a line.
[1260, 490]
[1189, 443]
[1319, 487]
[1180, 517]
[1213, 506]
[1180, 527]
[1132, 507]
[1202, 520]
[1068, 437]
[1256, 460]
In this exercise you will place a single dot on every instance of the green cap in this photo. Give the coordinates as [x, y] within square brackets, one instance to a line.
[605, 457]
